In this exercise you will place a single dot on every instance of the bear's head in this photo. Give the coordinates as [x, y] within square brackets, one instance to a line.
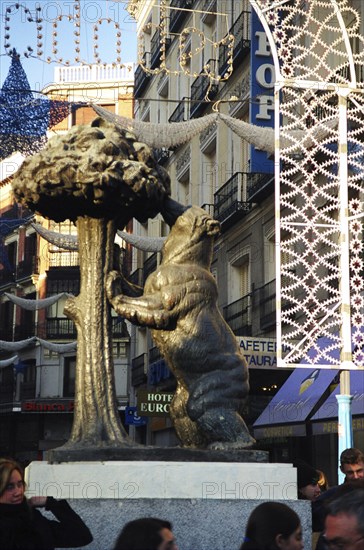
[191, 238]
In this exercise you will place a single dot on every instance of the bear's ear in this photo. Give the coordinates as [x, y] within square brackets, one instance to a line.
[213, 228]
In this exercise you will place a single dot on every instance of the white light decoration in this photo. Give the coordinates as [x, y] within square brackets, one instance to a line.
[74, 18]
[319, 189]
[209, 71]
[37, 20]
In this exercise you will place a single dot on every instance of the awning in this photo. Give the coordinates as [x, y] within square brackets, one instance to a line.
[324, 421]
[292, 405]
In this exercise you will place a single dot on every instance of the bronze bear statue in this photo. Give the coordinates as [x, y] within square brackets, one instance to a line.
[179, 304]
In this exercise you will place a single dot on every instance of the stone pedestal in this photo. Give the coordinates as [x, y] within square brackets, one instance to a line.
[208, 502]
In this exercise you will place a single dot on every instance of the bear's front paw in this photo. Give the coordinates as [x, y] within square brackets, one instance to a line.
[113, 285]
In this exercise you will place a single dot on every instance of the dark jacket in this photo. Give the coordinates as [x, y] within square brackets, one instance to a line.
[25, 528]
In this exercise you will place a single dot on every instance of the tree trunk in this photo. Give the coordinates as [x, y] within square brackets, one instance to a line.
[96, 419]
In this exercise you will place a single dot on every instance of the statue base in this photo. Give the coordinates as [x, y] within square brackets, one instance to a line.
[173, 454]
[208, 502]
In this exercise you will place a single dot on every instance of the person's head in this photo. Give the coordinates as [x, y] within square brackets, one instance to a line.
[344, 522]
[146, 534]
[11, 482]
[352, 464]
[322, 481]
[307, 481]
[273, 526]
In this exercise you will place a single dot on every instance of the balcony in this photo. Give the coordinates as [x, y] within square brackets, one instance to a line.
[229, 206]
[154, 355]
[259, 186]
[177, 16]
[63, 259]
[267, 305]
[24, 331]
[163, 85]
[238, 316]
[155, 49]
[209, 208]
[242, 93]
[161, 155]
[158, 43]
[6, 277]
[138, 375]
[118, 327]
[141, 78]
[208, 139]
[27, 268]
[199, 88]
[158, 370]
[62, 328]
[209, 12]
[149, 266]
[136, 278]
[183, 165]
[241, 32]
[180, 113]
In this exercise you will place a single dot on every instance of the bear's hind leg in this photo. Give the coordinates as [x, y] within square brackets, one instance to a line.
[225, 429]
[187, 430]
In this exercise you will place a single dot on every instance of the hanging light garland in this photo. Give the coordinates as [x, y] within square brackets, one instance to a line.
[96, 41]
[30, 19]
[74, 18]
[185, 55]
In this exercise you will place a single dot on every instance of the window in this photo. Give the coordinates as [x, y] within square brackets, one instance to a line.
[69, 376]
[85, 115]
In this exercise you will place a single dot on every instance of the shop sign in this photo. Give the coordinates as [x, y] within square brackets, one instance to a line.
[47, 406]
[157, 372]
[331, 426]
[151, 403]
[280, 431]
[259, 353]
[261, 91]
[132, 418]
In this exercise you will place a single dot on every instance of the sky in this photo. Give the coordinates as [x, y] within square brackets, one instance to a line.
[23, 33]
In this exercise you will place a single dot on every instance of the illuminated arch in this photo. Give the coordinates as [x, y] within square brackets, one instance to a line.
[319, 205]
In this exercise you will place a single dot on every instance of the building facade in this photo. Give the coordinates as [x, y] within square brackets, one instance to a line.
[188, 68]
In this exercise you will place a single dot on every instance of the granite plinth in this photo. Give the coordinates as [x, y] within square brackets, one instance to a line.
[144, 453]
[162, 479]
[198, 524]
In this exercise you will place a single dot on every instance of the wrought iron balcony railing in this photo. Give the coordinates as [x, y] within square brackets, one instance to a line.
[267, 304]
[156, 47]
[259, 186]
[241, 32]
[154, 355]
[149, 266]
[24, 331]
[199, 88]
[161, 155]
[58, 327]
[238, 316]
[177, 16]
[27, 267]
[230, 200]
[138, 375]
[6, 277]
[136, 278]
[141, 77]
[209, 208]
[180, 112]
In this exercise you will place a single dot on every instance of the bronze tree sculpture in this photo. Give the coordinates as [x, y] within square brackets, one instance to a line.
[100, 178]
